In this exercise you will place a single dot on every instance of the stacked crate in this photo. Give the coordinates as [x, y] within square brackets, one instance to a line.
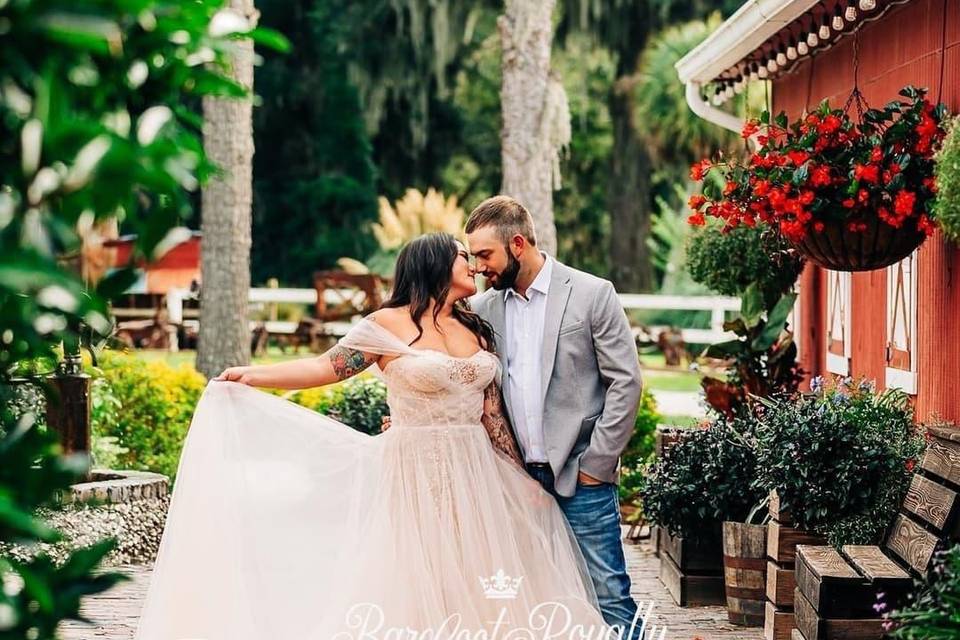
[782, 541]
[692, 568]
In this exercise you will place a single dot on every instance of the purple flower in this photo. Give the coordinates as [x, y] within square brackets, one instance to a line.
[816, 384]
[880, 607]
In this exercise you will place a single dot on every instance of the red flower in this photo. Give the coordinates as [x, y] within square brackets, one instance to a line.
[926, 225]
[894, 168]
[909, 464]
[849, 203]
[697, 219]
[928, 127]
[931, 183]
[806, 197]
[818, 226]
[798, 157]
[750, 128]
[763, 140]
[813, 120]
[696, 201]
[830, 124]
[904, 202]
[730, 187]
[820, 176]
[866, 173]
[762, 188]
[876, 155]
[862, 196]
[699, 169]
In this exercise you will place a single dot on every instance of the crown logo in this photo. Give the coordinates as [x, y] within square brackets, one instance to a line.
[500, 586]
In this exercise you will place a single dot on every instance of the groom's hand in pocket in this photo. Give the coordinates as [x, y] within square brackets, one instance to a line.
[588, 480]
[384, 423]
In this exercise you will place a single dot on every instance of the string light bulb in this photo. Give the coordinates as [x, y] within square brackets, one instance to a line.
[781, 56]
[792, 49]
[837, 23]
[739, 84]
[753, 71]
[772, 65]
[802, 48]
[763, 72]
[728, 92]
[717, 100]
[824, 32]
[850, 14]
[812, 39]
[868, 5]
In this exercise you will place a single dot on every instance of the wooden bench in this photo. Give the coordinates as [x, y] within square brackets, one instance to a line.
[836, 590]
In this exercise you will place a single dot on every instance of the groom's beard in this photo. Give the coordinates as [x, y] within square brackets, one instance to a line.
[508, 277]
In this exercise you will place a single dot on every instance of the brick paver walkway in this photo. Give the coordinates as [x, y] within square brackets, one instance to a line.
[115, 613]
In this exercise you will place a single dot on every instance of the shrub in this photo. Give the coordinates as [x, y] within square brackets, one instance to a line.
[639, 448]
[946, 207]
[147, 407]
[704, 478]
[932, 613]
[730, 262]
[840, 458]
[360, 402]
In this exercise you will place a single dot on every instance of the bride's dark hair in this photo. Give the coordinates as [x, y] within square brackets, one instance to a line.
[424, 273]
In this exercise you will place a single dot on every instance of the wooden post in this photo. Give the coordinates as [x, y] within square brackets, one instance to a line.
[68, 406]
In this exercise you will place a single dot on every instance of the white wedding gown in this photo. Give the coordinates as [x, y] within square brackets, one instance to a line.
[287, 525]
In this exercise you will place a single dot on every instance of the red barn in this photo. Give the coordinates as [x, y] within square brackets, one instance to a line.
[901, 325]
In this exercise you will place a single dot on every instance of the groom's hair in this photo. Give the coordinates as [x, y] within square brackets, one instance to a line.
[506, 215]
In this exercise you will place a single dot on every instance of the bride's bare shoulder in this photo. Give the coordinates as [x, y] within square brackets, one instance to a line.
[396, 320]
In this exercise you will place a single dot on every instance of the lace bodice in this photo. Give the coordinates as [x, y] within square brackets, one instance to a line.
[427, 387]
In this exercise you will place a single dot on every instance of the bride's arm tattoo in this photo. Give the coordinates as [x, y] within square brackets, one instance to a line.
[497, 424]
[348, 362]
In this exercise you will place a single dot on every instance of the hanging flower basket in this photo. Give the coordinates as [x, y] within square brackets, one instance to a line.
[878, 246]
[851, 194]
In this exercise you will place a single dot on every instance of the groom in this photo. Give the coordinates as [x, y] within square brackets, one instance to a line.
[571, 384]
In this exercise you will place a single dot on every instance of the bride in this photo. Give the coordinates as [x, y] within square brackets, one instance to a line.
[287, 524]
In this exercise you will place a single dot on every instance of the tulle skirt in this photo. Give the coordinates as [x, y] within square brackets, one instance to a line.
[287, 525]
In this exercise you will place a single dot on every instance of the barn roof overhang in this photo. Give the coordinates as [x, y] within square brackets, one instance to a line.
[755, 42]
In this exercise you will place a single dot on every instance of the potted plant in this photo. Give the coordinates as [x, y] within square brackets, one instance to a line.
[840, 458]
[702, 480]
[946, 208]
[762, 359]
[850, 194]
[729, 263]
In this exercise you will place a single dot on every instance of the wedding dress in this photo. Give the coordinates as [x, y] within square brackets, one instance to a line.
[287, 525]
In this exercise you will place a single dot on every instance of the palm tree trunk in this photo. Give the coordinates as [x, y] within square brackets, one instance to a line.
[533, 105]
[224, 338]
[629, 196]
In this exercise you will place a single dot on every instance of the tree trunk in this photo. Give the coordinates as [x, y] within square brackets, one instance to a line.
[536, 121]
[224, 338]
[629, 196]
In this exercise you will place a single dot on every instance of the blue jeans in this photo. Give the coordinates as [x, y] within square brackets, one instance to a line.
[594, 515]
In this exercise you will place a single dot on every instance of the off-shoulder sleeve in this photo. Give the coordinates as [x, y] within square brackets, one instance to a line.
[370, 337]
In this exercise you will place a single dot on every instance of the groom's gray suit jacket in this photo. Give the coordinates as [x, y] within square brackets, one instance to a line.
[590, 378]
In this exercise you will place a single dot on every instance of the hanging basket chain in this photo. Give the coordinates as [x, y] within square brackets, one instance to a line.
[856, 96]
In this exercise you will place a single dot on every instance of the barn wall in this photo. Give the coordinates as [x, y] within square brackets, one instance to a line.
[918, 44]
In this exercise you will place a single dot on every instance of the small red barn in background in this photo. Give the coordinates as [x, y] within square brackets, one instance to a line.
[901, 325]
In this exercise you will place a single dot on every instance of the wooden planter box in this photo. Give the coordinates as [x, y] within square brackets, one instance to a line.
[692, 569]
[782, 541]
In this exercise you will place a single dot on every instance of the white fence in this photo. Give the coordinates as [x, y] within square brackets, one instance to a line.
[718, 306]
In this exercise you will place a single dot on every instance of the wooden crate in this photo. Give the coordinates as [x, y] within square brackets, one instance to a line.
[691, 590]
[692, 570]
[777, 623]
[836, 591]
